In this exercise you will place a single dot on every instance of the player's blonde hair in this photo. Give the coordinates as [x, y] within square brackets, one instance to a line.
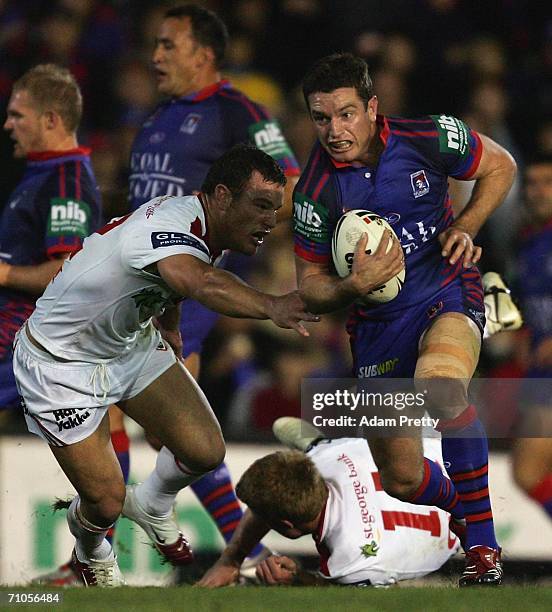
[285, 485]
[53, 88]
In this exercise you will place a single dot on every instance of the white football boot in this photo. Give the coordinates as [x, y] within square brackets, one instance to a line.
[95, 573]
[296, 433]
[500, 311]
[162, 531]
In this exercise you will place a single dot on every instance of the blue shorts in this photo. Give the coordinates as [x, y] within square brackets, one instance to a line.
[390, 348]
[9, 396]
[196, 322]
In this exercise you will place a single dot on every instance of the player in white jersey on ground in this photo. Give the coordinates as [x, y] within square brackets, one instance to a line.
[364, 537]
[92, 342]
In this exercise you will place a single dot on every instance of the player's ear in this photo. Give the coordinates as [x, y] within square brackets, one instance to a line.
[287, 523]
[372, 109]
[223, 196]
[51, 120]
[205, 55]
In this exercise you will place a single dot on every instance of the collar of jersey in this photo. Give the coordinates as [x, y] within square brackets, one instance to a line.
[384, 135]
[46, 155]
[206, 92]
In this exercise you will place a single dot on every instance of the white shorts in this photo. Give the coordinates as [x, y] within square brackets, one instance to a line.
[64, 402]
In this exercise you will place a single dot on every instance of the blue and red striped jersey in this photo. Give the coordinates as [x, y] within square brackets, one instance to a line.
[534, 286]
[184, 136]
[408, 187]
[54, 207]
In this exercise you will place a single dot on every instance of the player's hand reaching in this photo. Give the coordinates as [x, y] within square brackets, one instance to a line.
[221, 574]
[372, 270]
[289, 310]
[456, 242]
[277, 570]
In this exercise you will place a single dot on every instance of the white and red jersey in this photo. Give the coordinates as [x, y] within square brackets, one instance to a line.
[105, 295]
[366, 536]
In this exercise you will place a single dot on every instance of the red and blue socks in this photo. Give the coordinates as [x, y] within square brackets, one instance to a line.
[216, 493]
[466, 456]
[437, 490]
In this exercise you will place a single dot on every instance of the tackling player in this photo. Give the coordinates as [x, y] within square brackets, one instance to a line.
[91, 342]
[364, 537]
[432, 331]
[202, 117]
[56, 204]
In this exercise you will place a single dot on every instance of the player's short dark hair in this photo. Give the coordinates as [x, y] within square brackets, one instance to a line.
[234, 169]
[285, 485]
[339, 70]
[208, 29]
[53, 88]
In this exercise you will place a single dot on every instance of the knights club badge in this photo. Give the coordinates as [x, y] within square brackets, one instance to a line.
[419, 182]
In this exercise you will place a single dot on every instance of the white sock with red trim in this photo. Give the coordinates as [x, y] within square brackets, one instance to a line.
[90, 539]
[157, 494]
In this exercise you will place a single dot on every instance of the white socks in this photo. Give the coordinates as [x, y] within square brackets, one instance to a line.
[90, 539]
[157, 494]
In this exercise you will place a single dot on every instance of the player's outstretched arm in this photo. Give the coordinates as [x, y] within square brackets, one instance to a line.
[250, 530]
[223, 292]
[493, 179]
[323, 291]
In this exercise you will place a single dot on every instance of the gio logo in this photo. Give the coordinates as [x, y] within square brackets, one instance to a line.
[304, 212]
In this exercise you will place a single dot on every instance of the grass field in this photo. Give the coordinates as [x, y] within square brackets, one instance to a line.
[291, 599]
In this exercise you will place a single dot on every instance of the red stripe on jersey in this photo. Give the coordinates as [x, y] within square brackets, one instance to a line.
[109, 226]
[476, 158]
[405, 120]
[247, 103]
[430, 134]
[64, 249]
[312, 166]
[310, 256]
[230, 526]
[323, 180]
[208, 91]
[62, 181]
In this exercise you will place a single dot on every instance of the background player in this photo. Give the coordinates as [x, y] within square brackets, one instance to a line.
[532, 455]
[56, 204]
[364, 536]
[399, 169]
[91, 342]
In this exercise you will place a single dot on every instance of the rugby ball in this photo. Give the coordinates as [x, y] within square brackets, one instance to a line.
[348, 231]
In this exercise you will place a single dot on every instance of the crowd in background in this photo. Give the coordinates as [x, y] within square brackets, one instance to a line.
[488, 62]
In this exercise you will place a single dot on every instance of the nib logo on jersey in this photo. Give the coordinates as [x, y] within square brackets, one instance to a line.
[268, 137]
[69, 418]
[309, 218]
[68, 216]
[453, 135]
